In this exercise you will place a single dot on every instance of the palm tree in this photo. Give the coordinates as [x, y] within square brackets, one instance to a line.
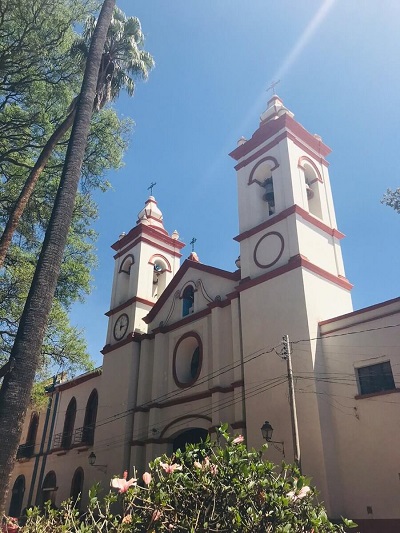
[123, 61]
[17, 384]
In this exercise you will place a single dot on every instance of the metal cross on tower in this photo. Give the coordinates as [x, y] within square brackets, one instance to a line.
[272, 86]
[192, 243]
[152, 184]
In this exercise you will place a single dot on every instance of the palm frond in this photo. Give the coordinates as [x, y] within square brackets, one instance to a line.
[124, 60]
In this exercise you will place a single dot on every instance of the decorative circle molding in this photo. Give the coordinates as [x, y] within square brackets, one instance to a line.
[270, 247]
[187, 359]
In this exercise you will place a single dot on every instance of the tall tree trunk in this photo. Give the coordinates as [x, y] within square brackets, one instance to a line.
[17, 384]
[30, 183]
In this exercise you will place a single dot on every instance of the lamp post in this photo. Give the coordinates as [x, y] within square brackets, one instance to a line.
[92, 461]
[267, 431]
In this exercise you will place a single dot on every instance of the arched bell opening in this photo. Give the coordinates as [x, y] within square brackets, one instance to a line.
[313, 183]
[160, 267]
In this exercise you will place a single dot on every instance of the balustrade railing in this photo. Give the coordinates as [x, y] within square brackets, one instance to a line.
[83, 435]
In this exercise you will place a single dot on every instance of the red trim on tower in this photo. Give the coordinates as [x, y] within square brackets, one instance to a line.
[295, 262]
[305, 158]
[127, 303]
[295, 132]
[111, 347]
[155, 233]
[263, 160]
[154, 256]
[158, 220]
[285, 214]
[152, 243]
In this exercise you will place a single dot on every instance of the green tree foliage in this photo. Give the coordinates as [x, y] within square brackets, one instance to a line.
[39, 79]
[123, 61]
[392, 199]
[208, 487]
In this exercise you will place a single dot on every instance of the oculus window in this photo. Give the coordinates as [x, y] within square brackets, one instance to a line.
[187, 359]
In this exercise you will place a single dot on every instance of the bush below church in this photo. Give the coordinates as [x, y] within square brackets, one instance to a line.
[210, 487]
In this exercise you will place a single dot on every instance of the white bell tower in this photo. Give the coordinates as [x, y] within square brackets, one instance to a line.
[286, 210]
[146, 260]
[292, 278]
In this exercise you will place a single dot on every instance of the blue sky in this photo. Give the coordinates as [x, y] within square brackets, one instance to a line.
[339, 66]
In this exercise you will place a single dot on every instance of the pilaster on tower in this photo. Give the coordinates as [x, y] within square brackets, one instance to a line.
[146, 260]
[286, 210]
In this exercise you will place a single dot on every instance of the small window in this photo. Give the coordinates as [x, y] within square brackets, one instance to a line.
[375, 378]
[188, 301]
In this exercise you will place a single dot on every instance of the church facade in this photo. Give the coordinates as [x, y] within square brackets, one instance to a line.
[191, 346]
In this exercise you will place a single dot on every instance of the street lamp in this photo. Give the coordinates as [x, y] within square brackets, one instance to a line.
[267, 431]
[92, 461]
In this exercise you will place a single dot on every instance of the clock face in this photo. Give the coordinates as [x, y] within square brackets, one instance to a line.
[121, 326]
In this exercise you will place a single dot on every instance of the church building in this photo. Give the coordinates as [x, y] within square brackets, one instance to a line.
[190, 346]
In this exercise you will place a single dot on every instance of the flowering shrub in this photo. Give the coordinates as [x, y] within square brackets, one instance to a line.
[206, 488]
[9, 524]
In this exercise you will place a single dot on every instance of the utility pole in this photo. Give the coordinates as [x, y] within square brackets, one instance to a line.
[287, 354]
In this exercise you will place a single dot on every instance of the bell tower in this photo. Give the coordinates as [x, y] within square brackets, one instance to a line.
[286, 210]
[292, 278]
[146, 260]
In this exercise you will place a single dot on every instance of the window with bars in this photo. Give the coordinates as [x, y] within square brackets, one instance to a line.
[375, 378]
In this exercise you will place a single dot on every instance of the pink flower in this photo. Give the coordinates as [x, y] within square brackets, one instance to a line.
[170, 469]
[127, 519]
[302, 494]
[156, 515]
[197, 465]
[146, 478]
[238, 439]
[214, 469]
[122, 483]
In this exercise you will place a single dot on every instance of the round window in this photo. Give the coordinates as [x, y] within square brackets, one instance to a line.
[188, 355]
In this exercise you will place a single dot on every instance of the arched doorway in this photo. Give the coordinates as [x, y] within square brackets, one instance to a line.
[49, 488]
[77, 488]
[17, 497]
[191, 436]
